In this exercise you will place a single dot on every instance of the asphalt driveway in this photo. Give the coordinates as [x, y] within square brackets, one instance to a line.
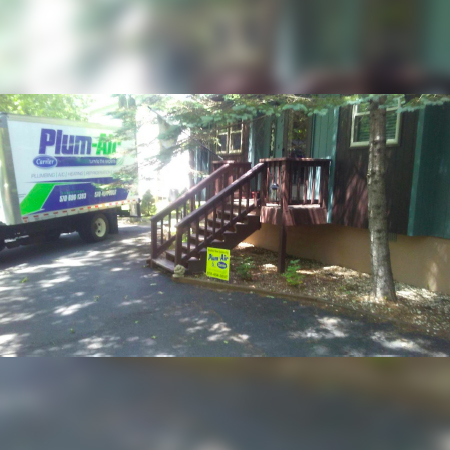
[73, 299]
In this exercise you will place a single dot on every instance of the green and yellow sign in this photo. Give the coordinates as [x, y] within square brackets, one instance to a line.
[218, 264]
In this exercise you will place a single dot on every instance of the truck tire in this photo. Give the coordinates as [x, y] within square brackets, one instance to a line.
[95, 228]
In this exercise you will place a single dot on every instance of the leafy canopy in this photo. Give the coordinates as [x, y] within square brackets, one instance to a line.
[205, 111]
[59, 106]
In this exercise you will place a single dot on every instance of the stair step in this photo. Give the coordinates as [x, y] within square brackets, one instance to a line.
[215, 243]
[170, 255]
[201, 238]
[210, 230]
[218, 223]
[164, 263]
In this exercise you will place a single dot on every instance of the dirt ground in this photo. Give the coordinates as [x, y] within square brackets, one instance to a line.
[419, 308]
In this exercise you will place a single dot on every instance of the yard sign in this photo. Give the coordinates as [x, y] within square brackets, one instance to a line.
[218, 264]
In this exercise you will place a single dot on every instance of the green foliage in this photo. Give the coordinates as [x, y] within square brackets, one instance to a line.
[244, 269]
[148, 204]
[60, 106]
[293, 278]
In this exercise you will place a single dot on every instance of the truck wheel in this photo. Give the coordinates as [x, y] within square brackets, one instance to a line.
[95, 228]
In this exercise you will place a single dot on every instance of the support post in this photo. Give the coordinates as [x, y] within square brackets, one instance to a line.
[263, 188]
[154, 233]
[179, 247]
[284, 203]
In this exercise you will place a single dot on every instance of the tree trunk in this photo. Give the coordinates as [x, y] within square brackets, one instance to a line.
[383, 279]
[192, 168]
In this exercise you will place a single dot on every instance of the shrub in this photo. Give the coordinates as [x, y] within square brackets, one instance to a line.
[148, 205]
[293, 278]
[244, 268]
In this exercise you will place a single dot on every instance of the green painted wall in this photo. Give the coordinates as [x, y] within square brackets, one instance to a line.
[260, 132]
[280, 137]
[430, 205]
[323, 145]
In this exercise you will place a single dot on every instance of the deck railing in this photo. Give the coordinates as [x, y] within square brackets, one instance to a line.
[303, 181]
[211, 216]
[237, 169]
[163, 222]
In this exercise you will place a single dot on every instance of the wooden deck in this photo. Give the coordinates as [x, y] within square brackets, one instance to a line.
[233, 202]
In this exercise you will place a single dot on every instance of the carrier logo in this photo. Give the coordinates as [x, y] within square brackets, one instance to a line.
[45, 162]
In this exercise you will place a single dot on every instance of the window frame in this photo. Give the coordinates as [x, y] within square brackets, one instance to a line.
[389, 142]
[229, 133]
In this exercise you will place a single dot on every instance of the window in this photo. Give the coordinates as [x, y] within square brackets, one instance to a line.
[361, 125]
[230, 140]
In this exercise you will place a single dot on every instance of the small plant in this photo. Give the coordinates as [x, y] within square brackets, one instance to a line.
[293, 278]
[244, 268]
[148, 204]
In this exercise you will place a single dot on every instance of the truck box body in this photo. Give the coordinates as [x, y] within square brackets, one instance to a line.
[51, 168]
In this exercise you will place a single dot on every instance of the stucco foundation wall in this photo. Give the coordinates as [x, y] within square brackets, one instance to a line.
[419, 261]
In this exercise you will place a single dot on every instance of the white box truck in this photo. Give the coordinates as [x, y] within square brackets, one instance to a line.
[59, 176]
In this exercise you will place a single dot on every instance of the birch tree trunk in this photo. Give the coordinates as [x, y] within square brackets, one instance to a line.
[191, 168]
[383, 279]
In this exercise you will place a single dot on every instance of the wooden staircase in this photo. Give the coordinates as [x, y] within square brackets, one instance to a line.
[220, 212]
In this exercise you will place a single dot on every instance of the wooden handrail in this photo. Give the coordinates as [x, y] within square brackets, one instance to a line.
[193, 191]
[198, 213]
[318, 160]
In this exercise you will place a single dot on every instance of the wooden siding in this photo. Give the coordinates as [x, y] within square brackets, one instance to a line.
[350, 205]
[430, 212]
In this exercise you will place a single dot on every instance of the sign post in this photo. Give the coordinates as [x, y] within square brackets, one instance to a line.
[218, 264]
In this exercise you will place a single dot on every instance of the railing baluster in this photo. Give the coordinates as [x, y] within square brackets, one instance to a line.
[326, 181]
[223, 215]
[214, 221]
[162, 231]
[240, 199]
[313, 193]
[189, 241]
[321, 186]
[170, 225]
[280, 183]
[197, 233]
[306, 185]
[249, 185]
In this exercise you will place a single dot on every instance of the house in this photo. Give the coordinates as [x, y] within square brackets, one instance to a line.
[310, 175]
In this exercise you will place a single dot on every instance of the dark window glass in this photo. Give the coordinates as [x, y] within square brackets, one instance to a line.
[362, 127]
[223, 140]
